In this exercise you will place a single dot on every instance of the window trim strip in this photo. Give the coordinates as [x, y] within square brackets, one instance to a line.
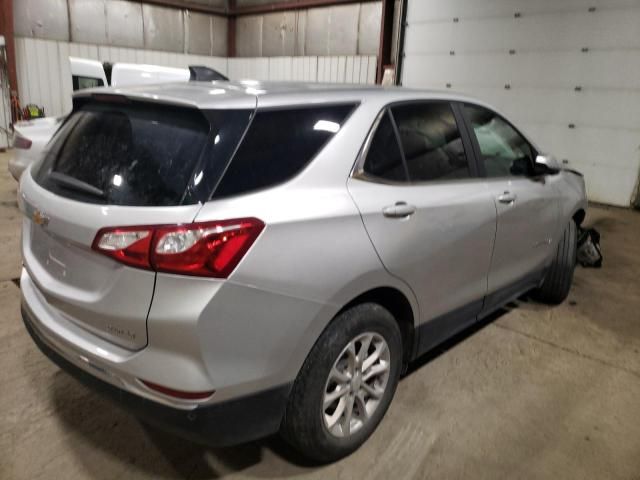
[399, 142]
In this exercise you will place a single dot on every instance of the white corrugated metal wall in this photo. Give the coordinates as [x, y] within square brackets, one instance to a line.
[44, 77]
[332, 69]
[567, 71]
[352, 29]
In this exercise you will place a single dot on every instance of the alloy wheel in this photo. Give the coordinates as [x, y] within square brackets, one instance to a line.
[356, 384]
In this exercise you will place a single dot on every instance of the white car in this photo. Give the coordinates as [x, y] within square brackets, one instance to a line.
[30, 137]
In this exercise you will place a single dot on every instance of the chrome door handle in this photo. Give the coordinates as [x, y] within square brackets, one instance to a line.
[507, 197]
[399, 210]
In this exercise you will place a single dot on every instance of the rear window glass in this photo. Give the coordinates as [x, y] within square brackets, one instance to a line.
[278, 145]
[129, 154]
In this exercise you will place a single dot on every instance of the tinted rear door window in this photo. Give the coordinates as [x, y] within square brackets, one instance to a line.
[130, 154]
[278, 145]
[431, 141]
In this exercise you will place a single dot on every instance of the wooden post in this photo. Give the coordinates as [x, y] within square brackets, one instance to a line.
[6, 30]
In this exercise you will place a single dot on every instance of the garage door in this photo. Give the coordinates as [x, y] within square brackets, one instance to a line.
[566, 71]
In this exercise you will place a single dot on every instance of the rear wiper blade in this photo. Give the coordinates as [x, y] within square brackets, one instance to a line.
[75, 184]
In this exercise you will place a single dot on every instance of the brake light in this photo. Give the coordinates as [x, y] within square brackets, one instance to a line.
[128, 245]
[21, 142]
[110, 98]
[207, 249]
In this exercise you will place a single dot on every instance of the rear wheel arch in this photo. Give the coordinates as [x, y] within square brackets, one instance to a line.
[400, 308]
[313, 413]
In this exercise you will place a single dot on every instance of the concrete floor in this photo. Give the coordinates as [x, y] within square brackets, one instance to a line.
[536, 392]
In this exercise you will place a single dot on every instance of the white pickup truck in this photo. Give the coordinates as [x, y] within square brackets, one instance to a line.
[31, 136]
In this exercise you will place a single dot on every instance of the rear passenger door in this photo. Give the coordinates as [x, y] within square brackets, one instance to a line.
[427, 213]
[527, 204]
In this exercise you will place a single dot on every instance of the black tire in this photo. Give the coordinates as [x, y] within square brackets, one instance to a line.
[557, 282]
[303, 426]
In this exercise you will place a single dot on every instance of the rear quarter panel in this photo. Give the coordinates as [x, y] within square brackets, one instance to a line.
[257, 327]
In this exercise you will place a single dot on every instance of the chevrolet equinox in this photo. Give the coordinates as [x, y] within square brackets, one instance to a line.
[235, 259]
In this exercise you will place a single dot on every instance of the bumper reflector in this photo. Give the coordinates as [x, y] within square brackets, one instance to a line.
[178, 393]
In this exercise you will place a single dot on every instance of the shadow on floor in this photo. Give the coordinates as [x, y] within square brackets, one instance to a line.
[103, 427]
[98, 425]
[463, 335]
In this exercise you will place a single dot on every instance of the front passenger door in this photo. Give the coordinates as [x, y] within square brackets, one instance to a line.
[527, 204]
[430, 219]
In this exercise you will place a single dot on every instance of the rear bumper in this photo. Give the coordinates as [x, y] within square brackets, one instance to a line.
[227, 423]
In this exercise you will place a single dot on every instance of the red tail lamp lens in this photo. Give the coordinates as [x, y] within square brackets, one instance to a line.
[21, 142]
[128, 245]
[208, 249]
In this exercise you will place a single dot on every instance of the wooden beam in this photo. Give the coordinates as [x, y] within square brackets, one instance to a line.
[231, 11]
[186, 5]
[6, 30]
[231, 30]
[402, 30]
[291, 5]
[386, 38]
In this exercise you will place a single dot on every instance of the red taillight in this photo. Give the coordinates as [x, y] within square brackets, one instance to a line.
[208, 249]
[110, 98]
[128, 245]
[178, 393]
[21, 142]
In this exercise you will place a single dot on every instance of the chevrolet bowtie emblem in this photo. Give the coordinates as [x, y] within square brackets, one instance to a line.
[40, 218]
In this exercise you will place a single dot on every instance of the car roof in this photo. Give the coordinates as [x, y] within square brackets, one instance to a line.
[249, 93]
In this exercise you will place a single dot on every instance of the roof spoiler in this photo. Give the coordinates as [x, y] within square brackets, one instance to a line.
[198, 73]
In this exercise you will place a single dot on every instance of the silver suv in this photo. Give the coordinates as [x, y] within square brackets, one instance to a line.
[231, 260]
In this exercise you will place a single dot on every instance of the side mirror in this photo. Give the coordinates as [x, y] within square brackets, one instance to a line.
[547, 164]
